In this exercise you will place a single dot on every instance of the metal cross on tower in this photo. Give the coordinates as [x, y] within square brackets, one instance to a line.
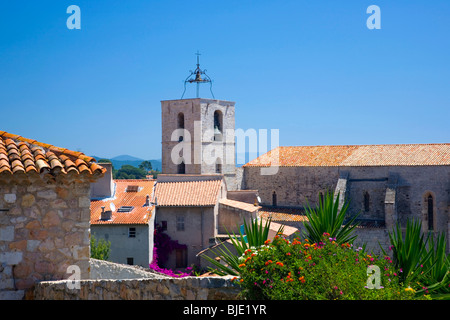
[196, 77]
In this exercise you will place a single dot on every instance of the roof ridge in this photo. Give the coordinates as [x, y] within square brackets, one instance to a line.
[49, 147]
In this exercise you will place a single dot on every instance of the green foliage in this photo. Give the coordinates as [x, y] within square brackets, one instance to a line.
[301, 270]
[327, 266]
[327, 218]
[130, 172]
[100, 249]
[146, 165]
[255, 234]
[422, 259]
[409, 253]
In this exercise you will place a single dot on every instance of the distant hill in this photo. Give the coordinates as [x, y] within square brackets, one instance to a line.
[126, 157]
[121, 160]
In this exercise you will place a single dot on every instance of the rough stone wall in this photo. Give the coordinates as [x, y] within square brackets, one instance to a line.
[293, 185]
[188, 288]
[373, 238]
[44, 228]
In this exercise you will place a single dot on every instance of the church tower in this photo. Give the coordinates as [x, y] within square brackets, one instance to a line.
[198, 134]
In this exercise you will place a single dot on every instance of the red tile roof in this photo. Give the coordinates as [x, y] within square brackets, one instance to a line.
[189, 193]
[356, 155]
[282, 214]
[137, 199]
[22, 155]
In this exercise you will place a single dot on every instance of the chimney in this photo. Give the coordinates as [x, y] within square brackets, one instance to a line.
[105, 215]
[147, 201]
[104, 187]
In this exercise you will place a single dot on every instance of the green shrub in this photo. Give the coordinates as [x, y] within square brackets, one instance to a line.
[329, 218]
[326, 270]
[100, 249]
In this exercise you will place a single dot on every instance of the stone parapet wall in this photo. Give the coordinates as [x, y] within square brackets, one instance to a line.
[100, 269]
[188, 288]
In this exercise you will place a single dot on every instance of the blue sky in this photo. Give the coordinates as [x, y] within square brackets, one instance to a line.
[311, 69]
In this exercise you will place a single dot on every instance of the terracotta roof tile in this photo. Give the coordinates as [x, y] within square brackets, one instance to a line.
[190, 193]
[22, 155]
[140, 213]
[356, 155]
[282, 214]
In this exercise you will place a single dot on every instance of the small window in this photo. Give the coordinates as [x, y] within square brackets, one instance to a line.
[274, 199]
[218, 167]
[132, 189]
[430, 212]
[181, 258]
[180, 223]
[180, 123]
[130, 261]
[366, 202]
[131, 232]
[125, 209]
[163, 225]
[218, 118]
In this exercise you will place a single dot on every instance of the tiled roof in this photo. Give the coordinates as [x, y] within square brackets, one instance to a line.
[282, 214]
[22, 155]
[286, 214]
[356, 155]
[188, 193]
[137, 199]
[239, 205]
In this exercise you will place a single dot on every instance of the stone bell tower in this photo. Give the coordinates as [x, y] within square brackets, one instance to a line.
[198, 134]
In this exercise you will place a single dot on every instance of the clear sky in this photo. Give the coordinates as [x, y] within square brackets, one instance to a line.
[311, 69]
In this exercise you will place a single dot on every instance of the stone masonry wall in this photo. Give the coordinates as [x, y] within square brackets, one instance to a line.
[188, 288]
[44, 228]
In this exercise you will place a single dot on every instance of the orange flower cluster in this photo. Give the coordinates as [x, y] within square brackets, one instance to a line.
[288, 278]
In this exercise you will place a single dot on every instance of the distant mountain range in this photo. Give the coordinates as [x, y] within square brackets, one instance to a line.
[125, 159]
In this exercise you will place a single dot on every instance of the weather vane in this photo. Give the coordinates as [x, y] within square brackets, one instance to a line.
[196, 76]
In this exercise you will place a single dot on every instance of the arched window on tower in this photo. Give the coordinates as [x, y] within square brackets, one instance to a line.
[218, 166]
[274, 199]
[181, 169]
[430, 212]
[180, 124]
[218, 125]
[366, 201]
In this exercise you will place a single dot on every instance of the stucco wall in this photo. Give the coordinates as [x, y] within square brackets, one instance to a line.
[122, 246]
[199, 228]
